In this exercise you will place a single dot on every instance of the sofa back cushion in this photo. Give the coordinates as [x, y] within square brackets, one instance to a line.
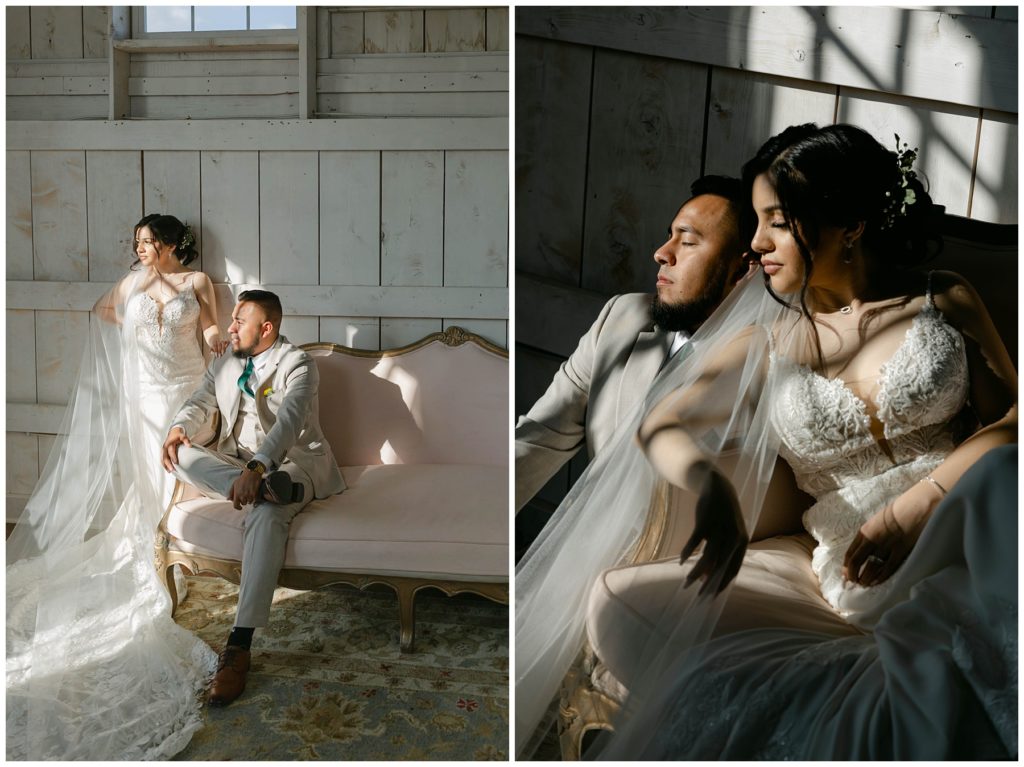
[427, 403]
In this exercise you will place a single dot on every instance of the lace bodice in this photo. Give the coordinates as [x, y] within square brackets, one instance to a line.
[826, 437]
[166, 335]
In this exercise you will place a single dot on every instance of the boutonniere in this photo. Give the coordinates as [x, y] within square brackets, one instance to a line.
[268, 391]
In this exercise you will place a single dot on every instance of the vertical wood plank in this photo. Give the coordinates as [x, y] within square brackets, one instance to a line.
[289, 239]
[746, 108]
[944, 133]
[60, 339]
[114, 182]
[19, 44]
[400, 331]
[393, 31]
[462, 29]
[305, 28]
[21, 356]
[19, 215]
[350, 218]
[56, 31]
[171, 187]
[59, 225]
[347, 33]
[1007, 12]
[231, 209]
[476, 218]
[412, 212]
[355, 332]
[95, 25]
[552, 121]
[495, 331]
[995, 183]
[46, 443]
[323, 32]
[643, 156]
[22, 463]
[497, 29]
[301, 329]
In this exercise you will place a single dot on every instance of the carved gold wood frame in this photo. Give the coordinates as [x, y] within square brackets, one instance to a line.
[405, 588]
[452, 336]
[582, 706]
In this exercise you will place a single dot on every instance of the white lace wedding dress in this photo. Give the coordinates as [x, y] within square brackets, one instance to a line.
[96, 667]
[935, 673]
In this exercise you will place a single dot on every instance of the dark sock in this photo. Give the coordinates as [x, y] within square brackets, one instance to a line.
[241, 637]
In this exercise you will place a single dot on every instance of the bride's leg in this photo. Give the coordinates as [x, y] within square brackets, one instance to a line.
[775, 588]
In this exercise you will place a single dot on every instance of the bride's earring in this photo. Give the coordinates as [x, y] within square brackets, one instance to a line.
[848, 252]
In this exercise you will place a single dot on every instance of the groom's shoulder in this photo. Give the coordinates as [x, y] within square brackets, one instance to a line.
[627, 312]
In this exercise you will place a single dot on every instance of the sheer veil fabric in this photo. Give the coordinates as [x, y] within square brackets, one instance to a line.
[933, 675]
[96, 667]
[605, 511]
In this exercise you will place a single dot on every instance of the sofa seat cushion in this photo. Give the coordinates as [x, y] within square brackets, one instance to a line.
[447, 521]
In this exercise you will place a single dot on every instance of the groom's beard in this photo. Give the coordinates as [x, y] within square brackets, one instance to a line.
[690, 315]
[243, 353]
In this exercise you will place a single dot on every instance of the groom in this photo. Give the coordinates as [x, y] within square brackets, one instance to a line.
[270, 453]
[634, 335]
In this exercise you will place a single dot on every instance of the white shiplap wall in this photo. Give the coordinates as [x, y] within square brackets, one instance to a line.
[375, 229]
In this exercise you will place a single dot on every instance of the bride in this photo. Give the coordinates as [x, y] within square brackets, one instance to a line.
[96, 667]
[888, 628]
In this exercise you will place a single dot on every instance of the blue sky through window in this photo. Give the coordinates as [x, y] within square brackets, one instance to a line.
[211, 18]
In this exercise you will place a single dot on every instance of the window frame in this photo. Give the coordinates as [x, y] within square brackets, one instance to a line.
[139, 29]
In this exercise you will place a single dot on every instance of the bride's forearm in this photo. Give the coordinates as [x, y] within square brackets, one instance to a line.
[1001, 432]
[675, 455]
[212, 335]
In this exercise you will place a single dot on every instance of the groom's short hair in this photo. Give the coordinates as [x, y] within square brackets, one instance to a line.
[267, 301]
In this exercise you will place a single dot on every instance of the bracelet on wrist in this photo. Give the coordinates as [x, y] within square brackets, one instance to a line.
[932, 480]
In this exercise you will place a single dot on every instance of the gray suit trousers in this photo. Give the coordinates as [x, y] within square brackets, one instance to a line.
[265, 527]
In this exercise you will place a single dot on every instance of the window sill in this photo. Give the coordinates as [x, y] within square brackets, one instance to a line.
[288, 41]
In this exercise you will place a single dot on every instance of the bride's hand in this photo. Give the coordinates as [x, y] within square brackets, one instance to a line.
[885, 540]
[719, 522]
[219, 346]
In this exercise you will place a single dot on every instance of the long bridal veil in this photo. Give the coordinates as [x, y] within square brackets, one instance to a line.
[601, 518]
[96, 667]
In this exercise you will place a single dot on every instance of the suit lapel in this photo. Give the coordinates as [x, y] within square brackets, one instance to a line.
[273, 360]
[228, 391]
[644, 361]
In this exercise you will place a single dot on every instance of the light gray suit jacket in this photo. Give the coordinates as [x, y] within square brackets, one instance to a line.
[287, 406]
[593, 391]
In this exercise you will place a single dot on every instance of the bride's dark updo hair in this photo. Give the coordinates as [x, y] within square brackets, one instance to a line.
[168, 230]
[840, 175]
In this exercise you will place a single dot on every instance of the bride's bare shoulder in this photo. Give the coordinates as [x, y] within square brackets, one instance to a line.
[957, 299]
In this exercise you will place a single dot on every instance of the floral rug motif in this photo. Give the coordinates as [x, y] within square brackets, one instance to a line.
[328, 680]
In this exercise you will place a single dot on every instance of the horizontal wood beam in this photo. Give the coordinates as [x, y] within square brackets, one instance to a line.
[491, 61]
[966, 60]
[352, 134]
[32, 418]
[484, 303]
[560, 316]
[277, 42]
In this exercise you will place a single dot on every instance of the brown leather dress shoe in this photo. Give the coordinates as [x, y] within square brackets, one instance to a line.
[229, 681]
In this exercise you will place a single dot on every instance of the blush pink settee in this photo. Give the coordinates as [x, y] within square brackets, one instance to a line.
[421, 436]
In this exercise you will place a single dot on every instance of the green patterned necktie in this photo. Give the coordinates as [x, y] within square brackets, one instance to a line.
[243, 380]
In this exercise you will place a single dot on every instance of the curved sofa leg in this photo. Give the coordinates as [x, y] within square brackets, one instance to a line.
[406, 615]
[172, 589]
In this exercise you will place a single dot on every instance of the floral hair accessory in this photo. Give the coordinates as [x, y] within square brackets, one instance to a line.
[897, 200]
[188, 237]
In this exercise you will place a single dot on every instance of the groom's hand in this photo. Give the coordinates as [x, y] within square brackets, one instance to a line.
[244, 488]
[175, 438]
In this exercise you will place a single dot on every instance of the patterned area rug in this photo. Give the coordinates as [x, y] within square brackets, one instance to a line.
[328, 680]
